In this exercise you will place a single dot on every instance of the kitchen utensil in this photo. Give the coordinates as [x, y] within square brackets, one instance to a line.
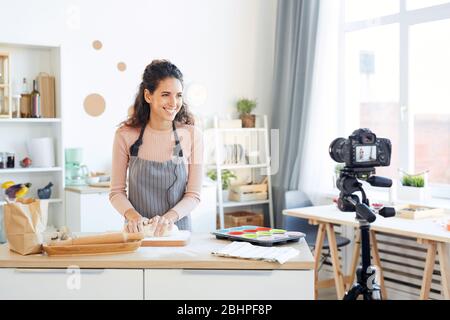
[181, 238]
[46, 192]
[265, 236]
[92, 249]
[74, 155]
[104, 238]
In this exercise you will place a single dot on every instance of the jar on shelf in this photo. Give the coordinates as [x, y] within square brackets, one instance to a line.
[2, 160]
[15, 107]
[10, 160]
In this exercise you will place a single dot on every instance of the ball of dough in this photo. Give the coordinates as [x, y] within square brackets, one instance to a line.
[149, 230]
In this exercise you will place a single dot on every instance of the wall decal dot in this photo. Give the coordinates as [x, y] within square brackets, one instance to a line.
[122, 66]
[97, 44]
[94, 104]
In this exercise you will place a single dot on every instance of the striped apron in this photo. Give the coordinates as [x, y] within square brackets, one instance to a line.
[156, 187]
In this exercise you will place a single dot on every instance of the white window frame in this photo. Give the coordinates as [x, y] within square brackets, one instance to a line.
[405, 19]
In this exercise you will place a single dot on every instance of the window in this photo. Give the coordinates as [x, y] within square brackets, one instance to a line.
[397, 82]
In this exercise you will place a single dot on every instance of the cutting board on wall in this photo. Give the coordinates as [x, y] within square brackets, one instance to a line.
[181, 238]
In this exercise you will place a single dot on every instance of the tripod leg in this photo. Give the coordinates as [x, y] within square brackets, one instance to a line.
[377, 259]
[354, 292]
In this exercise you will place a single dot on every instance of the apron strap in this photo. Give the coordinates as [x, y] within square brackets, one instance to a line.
[177, 142]
[134, 149]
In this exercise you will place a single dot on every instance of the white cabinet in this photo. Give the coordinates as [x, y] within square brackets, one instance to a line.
[91, 212]
[228, 284]
[71, 284]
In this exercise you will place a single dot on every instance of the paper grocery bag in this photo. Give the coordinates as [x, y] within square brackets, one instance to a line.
[24, 225]
[46, 87]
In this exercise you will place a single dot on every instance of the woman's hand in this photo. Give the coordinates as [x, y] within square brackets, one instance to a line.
[164, 223]
[134, 221]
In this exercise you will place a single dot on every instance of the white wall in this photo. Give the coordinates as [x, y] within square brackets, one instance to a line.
[225, 45]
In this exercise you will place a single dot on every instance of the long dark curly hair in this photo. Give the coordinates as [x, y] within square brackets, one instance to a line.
[156, 71]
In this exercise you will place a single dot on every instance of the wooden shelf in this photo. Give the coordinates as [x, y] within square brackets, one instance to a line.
[29, 120]
[240, 129]
[229, 204]
[238, 166]
[30, 170]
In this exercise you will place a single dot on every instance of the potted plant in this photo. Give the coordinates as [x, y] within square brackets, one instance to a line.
[337, 171]
[226, 176]
[413, 187]
[245, 107]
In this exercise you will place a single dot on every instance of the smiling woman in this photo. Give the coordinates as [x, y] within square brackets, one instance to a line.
[162, 151]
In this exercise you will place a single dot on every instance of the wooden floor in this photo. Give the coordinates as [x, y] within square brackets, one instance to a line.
[327, 294]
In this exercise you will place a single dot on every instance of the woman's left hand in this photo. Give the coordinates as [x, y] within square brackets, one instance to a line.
[164, 223]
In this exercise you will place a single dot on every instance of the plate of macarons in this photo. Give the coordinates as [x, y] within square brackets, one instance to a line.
[262, 236]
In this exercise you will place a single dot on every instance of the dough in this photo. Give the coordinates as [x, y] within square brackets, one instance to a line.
[149, 230]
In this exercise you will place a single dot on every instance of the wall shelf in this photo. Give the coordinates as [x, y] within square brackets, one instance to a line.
[229, 204]
[31, 120]
[28, 61]
[29, 170]
[220, 134]
[238, 166]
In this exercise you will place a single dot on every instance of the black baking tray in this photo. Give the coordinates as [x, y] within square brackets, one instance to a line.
[275, 239]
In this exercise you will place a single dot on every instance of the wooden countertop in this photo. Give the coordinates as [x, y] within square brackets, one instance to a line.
[87, 189]
[429, 229]
[196, 255]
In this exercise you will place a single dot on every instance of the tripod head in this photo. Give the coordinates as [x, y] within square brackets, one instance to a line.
[348, 184]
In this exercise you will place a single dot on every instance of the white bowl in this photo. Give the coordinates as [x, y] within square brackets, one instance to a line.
[91, 180]
[104, 178]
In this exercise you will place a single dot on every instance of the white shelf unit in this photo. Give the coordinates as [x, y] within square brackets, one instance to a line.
[261, 133]
[26, 61]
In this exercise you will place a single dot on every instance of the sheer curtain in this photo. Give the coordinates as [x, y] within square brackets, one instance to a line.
[323, 119]
[293, 72]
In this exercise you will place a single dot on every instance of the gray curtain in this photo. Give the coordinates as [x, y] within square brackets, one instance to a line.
[296, 31]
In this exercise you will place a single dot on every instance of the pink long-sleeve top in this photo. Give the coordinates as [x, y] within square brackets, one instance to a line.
[157, 146]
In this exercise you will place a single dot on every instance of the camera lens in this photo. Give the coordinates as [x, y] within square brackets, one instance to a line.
[336, 149]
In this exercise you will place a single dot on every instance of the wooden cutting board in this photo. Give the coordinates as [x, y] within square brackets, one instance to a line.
[180, 239]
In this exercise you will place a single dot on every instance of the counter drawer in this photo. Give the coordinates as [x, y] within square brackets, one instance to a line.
[202, 284]
[70, 284]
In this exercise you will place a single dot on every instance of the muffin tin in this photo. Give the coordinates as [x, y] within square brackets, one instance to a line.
[261, 236]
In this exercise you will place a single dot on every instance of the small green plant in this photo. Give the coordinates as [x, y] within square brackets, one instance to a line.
[227, 175]
[246, 106]
[417, 181]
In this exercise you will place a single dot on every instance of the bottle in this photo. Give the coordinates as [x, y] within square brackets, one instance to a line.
[35, 102]
[24, 86]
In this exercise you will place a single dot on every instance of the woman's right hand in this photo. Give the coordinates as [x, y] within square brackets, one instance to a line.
[134, 221]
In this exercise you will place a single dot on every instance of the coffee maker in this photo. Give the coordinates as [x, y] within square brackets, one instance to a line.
[76, 173]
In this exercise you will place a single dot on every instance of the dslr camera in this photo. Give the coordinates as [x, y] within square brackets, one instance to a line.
[361, 150]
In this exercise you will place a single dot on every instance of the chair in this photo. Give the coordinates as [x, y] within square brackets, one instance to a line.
[298, 199]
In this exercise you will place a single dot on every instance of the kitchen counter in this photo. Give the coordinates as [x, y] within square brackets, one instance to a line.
[87, 189]
[189, 272]
[196, 255]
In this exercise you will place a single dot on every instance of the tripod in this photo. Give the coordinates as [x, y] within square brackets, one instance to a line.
[366, 274]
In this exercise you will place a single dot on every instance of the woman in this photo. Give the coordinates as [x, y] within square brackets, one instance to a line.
[162, 151]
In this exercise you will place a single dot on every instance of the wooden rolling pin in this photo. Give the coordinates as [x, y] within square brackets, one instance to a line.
[112, 237]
